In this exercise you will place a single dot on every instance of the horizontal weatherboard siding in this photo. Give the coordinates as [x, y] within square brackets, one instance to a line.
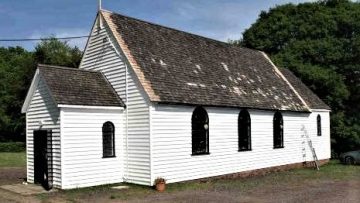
[82, 155]
[171, 142]
[100, 55]
[43, 109]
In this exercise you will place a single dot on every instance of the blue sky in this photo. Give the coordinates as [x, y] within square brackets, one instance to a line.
[217, 19]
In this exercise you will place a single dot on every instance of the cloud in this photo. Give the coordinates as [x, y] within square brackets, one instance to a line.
[218, 20]
[221, 20]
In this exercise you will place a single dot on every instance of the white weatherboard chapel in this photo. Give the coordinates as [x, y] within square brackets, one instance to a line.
[149, 101]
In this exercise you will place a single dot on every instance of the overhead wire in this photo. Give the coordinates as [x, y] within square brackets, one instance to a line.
[40, 39]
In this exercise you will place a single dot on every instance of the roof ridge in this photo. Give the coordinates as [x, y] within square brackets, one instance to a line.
[127, 31]
[65, 68]
[178, 30]
[74, 86]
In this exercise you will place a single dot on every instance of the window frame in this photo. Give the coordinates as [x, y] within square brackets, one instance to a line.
[244, 113]
[204, 122]
[278, 130]
[112, 131]
[318, 125]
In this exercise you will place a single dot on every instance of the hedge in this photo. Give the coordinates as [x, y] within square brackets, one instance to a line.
[12, 146]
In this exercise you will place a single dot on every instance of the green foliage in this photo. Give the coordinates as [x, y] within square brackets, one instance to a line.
[12, 146]
[55, 52]
[320, 43]
[17, 68]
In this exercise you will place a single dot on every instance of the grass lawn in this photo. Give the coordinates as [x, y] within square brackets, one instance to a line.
[12, 159]
[301, 178]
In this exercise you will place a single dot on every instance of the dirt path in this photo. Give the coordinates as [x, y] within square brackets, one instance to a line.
[326, 191]
[322, 192]
[9, 197]
[11, 175]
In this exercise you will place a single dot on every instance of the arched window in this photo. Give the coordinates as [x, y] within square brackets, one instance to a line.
[278, 126]
[200, 131]
[318, 121]
[244, 130]
[108, 134]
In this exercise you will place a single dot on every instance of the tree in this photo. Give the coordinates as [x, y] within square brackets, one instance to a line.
[320, 43]
[17, 68]
[15, 64]
[56, 52]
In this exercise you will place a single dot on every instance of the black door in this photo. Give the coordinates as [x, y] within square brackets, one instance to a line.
[42, 158]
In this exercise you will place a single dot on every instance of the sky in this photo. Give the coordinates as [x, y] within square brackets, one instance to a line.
[217, 19]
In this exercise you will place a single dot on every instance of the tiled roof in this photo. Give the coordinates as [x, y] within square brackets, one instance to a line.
[78, 87]
[181, 68]
[312, 100]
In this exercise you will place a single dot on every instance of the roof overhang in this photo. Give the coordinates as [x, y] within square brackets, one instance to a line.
[307, 111]
[320, 110]
[90, 107]
[31, 91]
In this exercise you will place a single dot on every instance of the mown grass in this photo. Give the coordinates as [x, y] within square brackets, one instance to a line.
[298, 177]
[331, 172]
[12, 159]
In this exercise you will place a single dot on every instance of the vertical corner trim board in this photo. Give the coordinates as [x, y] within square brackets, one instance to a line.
[100, 55]
[42, 109]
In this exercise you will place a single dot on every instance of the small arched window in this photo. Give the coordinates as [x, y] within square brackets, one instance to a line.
[318, 121]
[244, 130]
[108, 134]
[200, 131]
[278, 126]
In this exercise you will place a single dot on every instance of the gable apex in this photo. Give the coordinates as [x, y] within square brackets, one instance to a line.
[72, 86]
[176, 67]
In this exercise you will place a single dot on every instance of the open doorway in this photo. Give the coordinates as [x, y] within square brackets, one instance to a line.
[43, 158]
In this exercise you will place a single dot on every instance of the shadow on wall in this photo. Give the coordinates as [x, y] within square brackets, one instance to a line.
[50, 105]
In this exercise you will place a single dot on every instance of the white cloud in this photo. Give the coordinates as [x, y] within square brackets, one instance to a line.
[221, 20]
[218, 20]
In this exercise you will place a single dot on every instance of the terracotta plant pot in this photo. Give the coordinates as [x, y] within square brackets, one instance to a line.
[160, 187]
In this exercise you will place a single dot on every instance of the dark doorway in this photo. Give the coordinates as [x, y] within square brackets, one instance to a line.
[43, 158]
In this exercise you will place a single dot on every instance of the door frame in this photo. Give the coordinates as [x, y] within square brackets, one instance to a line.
[44, 160]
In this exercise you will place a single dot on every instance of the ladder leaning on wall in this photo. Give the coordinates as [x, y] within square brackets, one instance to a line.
[312, 149]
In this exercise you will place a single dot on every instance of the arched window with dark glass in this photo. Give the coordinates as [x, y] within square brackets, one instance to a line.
[278, 126]
[108, 134]
[244, 130]
[318, 121]
[200, 131]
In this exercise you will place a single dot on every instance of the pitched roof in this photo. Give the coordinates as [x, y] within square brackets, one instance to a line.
[312, 100]
[78, 87]
[178, 67]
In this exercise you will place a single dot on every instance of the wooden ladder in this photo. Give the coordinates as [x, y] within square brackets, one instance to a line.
[312, 149]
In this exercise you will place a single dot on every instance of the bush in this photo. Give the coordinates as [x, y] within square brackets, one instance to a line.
[12, 146]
